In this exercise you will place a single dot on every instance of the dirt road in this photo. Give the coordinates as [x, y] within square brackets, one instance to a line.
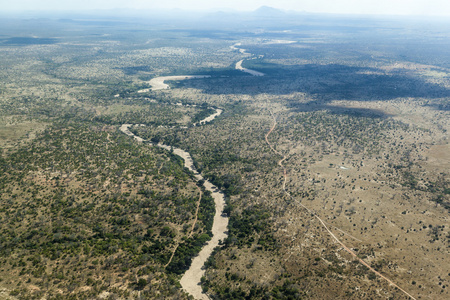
[346, 248]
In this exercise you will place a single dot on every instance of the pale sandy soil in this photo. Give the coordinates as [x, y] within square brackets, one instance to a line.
[252, 72]
[104, 295]
[242, 51]
[158, 82]
[125, 128]
[344, 246]
[279, 42]
[234, 46]
[191, 279]
[4, 294]
[209, 118]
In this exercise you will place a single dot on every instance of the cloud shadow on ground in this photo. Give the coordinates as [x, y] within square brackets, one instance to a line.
[324, 83]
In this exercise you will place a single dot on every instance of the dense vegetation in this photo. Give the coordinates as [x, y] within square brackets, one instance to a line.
[87, 195]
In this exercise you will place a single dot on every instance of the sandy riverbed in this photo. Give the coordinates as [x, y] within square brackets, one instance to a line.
[209, 118]
[191, 279]
[158, 82]
[252, 72]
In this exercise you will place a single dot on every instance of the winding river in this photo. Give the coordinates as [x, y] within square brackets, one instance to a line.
[157, 83]
[239, 66]
[191, 279]
[252, 72]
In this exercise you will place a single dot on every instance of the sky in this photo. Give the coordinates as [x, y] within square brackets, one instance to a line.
[386, 7]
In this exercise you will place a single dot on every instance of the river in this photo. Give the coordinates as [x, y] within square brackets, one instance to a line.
[191, 279]
[157, 83]
[249, 71]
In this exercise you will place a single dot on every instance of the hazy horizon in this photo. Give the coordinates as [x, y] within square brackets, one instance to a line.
[366, 7]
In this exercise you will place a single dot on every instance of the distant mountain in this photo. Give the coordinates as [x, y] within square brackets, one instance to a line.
[267, 11]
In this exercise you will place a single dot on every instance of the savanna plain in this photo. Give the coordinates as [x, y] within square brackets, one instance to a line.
[329, 139]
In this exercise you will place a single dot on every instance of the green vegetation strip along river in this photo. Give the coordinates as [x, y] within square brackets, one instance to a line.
[191, 279]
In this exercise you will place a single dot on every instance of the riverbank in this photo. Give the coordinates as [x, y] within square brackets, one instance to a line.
[249, 71]
[158, 82]
[190, 281]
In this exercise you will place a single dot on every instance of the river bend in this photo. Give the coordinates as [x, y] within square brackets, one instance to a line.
[191, 279]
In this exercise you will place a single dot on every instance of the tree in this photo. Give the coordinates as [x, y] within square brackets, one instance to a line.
[141, 283]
